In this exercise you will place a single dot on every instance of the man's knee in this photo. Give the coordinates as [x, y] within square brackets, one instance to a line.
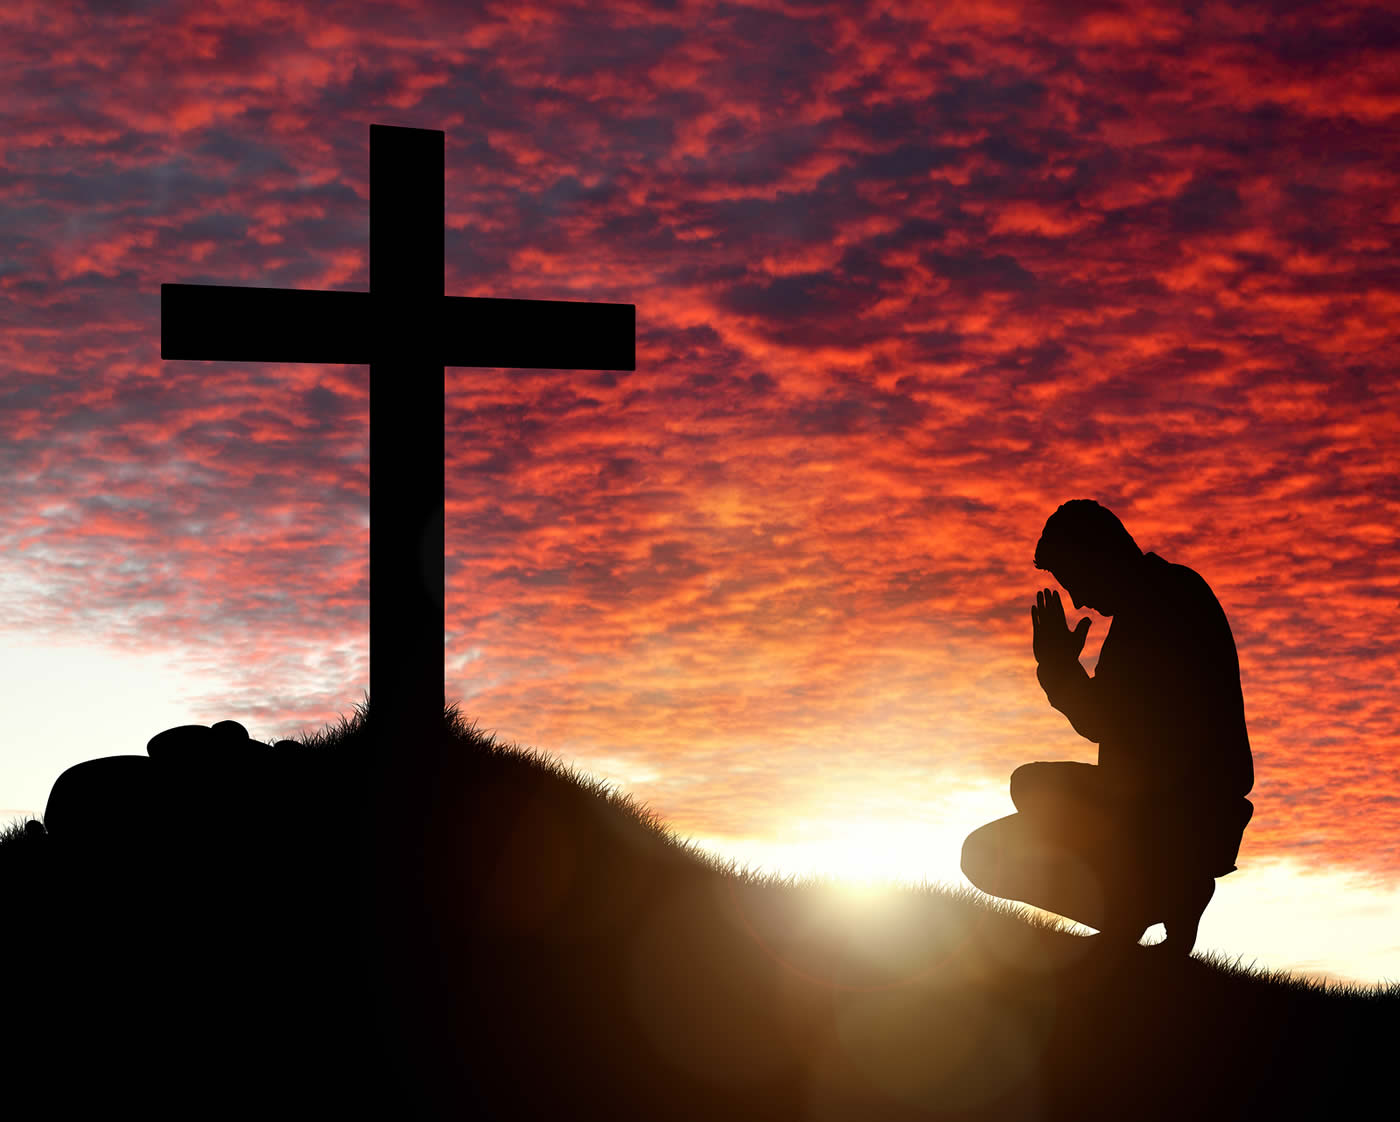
[982, 859]
[1027, 781]
[1056, 785]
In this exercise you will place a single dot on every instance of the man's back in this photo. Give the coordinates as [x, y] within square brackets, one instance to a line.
[1165, 703]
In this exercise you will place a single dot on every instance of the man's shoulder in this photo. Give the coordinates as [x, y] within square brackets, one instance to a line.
[1182, 581]
[1174, 571]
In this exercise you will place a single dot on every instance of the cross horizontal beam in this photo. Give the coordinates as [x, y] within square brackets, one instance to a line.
[231, 323]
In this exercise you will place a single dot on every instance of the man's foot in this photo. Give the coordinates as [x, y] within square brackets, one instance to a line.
[1111, 942]
[1122, 927]
[1184, 917]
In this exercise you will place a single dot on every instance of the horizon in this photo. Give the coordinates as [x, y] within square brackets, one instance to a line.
[851, 887]
[905, 281]
[865, 870]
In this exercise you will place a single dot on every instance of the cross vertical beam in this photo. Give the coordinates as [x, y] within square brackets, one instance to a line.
[406, 431]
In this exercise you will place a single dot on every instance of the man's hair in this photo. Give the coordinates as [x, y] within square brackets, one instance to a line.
[1081, 528]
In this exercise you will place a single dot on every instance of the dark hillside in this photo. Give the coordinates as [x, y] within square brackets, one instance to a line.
[563, 956]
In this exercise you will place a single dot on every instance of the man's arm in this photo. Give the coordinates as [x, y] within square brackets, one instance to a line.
[1065, 681]
[1070, 690]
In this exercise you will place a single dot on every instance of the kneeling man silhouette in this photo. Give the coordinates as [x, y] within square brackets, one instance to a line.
[1139, 838]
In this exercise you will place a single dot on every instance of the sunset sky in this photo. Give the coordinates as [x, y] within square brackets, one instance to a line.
[907, 277]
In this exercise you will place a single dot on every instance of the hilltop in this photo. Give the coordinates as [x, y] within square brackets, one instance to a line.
[547, 948]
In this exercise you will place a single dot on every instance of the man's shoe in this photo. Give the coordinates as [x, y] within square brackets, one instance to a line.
[1183, 916]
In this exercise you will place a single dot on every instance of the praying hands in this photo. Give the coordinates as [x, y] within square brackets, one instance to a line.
[1052, 639]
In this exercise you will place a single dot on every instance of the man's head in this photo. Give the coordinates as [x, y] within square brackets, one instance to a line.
[1090, 554]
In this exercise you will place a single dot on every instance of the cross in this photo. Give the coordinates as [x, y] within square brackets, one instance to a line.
[407, 330]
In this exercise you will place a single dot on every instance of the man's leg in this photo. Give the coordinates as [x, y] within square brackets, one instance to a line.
[1066, 800]
[1033, 785]
[1182, 914]
[1185, 845]
[1015, 859]
[1071, 807]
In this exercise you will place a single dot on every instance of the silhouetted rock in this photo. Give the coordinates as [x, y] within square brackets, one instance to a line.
[210, 777]
[168, 819]
[34, 828]
[197, 745]
[105, 808]
[181, 741]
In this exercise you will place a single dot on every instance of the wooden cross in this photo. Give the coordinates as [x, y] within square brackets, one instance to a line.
[407, 330]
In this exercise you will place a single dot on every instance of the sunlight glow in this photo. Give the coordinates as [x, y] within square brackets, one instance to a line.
[1273, 914]
[867, 854]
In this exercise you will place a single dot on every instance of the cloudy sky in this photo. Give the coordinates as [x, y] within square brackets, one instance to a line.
[907, 277]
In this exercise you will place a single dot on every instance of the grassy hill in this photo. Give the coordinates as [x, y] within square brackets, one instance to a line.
[538, 946]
